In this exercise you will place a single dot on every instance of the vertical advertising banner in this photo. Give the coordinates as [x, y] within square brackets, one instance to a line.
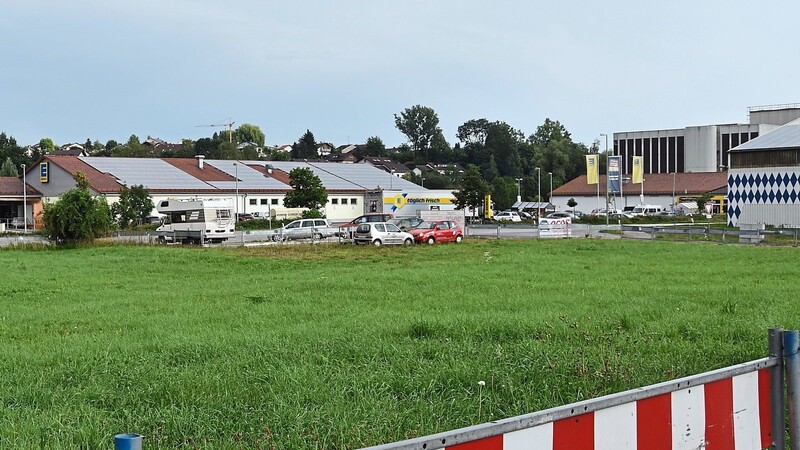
[591, 169]
[613, 174]
[638, 170]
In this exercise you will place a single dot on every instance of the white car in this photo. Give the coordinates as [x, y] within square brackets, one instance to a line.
[381, 233]
[508, 216]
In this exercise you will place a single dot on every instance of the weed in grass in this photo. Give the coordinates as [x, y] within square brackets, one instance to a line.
[421, 329]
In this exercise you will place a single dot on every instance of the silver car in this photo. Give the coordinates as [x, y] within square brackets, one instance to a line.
[305, 229]
[381, 233]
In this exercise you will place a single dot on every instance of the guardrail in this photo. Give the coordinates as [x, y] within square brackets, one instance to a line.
[734, 408]
[750, 236]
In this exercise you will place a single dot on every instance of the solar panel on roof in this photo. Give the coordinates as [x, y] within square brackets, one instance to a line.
[151, 173]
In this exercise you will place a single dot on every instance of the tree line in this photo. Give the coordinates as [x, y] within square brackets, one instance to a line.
[506, 158]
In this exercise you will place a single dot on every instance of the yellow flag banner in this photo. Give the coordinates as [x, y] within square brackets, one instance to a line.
[592, 170]
[637, 175]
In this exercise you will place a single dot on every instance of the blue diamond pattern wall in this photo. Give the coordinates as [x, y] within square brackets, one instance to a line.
[769, 196]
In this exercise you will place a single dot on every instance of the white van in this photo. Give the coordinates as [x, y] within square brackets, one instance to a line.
[646, 210]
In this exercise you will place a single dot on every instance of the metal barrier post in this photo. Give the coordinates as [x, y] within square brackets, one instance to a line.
[776, 389]
[791, 346]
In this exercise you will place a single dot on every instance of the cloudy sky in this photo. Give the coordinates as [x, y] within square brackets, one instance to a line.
[106, 69]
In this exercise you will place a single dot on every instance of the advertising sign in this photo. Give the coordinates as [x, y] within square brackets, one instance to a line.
[613, 174]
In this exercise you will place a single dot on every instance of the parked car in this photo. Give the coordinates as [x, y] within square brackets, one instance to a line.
[508, 216]
[438, 231]
[243, 217]
[406, 223]
[381, 233]
[560, 215]
[304, 229]
[646, 210]
[347, 229]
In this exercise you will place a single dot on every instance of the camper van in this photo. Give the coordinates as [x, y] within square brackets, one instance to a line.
[646, 210]
[196, 221]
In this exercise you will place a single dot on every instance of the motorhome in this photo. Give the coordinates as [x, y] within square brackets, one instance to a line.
[196, 221]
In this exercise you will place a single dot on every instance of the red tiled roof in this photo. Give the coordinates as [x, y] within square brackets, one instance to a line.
[13, 186]
[654, 184]
[207, 173]
[99, 181]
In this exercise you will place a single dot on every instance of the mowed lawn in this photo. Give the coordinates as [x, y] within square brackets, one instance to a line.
[327, 346]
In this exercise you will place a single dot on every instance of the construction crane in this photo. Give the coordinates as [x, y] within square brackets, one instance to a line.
[228, 124]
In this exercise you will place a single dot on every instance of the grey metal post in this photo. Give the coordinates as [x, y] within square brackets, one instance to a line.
[776, 393]
[791, 345]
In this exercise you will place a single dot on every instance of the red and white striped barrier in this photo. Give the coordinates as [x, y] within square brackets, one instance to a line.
[729, 414]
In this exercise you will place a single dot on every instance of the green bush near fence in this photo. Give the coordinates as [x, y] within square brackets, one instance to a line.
[327, 346]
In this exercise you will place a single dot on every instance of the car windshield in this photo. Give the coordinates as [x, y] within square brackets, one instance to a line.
[427, 225]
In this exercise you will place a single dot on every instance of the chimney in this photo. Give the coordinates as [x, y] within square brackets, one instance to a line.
[200, 161]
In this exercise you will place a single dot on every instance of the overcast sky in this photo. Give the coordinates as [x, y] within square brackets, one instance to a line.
[106, 69]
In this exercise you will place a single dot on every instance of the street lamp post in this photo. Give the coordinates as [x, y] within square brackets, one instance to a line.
[391, 180]
[519, 195]
[236, 177]
[641, 196]
[550, 196]
[24, 200]
[605, 135]
[421, 181]
[673, 192]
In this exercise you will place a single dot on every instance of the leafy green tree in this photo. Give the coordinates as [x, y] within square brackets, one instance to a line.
[307, 192]
[249, 133]
[306, 147]
[472, 190]
[47, 145]
[374, 147]
[133, 149]
[420, 124]
[473, 131]
[133, 206]
[8, 169]
[504, 142]
[572, 204]
[504, 192]
[77, 215]
[701, 202]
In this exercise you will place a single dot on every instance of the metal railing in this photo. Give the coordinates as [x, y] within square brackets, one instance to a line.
[783, 353]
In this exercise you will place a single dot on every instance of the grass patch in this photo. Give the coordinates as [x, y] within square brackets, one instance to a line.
[334, 346]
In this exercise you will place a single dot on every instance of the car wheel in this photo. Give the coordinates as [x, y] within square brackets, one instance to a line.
[431, 240]
[318, 236]
[162, 240]
[459, 238]
[377, 243]
[275, 238]
[408, 242]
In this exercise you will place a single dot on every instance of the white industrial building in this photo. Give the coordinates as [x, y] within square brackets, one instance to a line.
[764, 179]
[698, 148]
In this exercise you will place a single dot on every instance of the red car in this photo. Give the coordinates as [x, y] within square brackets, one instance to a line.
[438, 231]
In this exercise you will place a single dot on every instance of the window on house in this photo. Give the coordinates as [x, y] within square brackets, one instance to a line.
[274, 201]
[334, 201]
[253, 201]
[353, 201]
[265, 201]
[344, 201]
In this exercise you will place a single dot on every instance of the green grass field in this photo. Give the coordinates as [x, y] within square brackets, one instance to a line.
[328, 346]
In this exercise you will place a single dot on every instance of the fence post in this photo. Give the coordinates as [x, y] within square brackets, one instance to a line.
[776, 389]
[791, 345]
